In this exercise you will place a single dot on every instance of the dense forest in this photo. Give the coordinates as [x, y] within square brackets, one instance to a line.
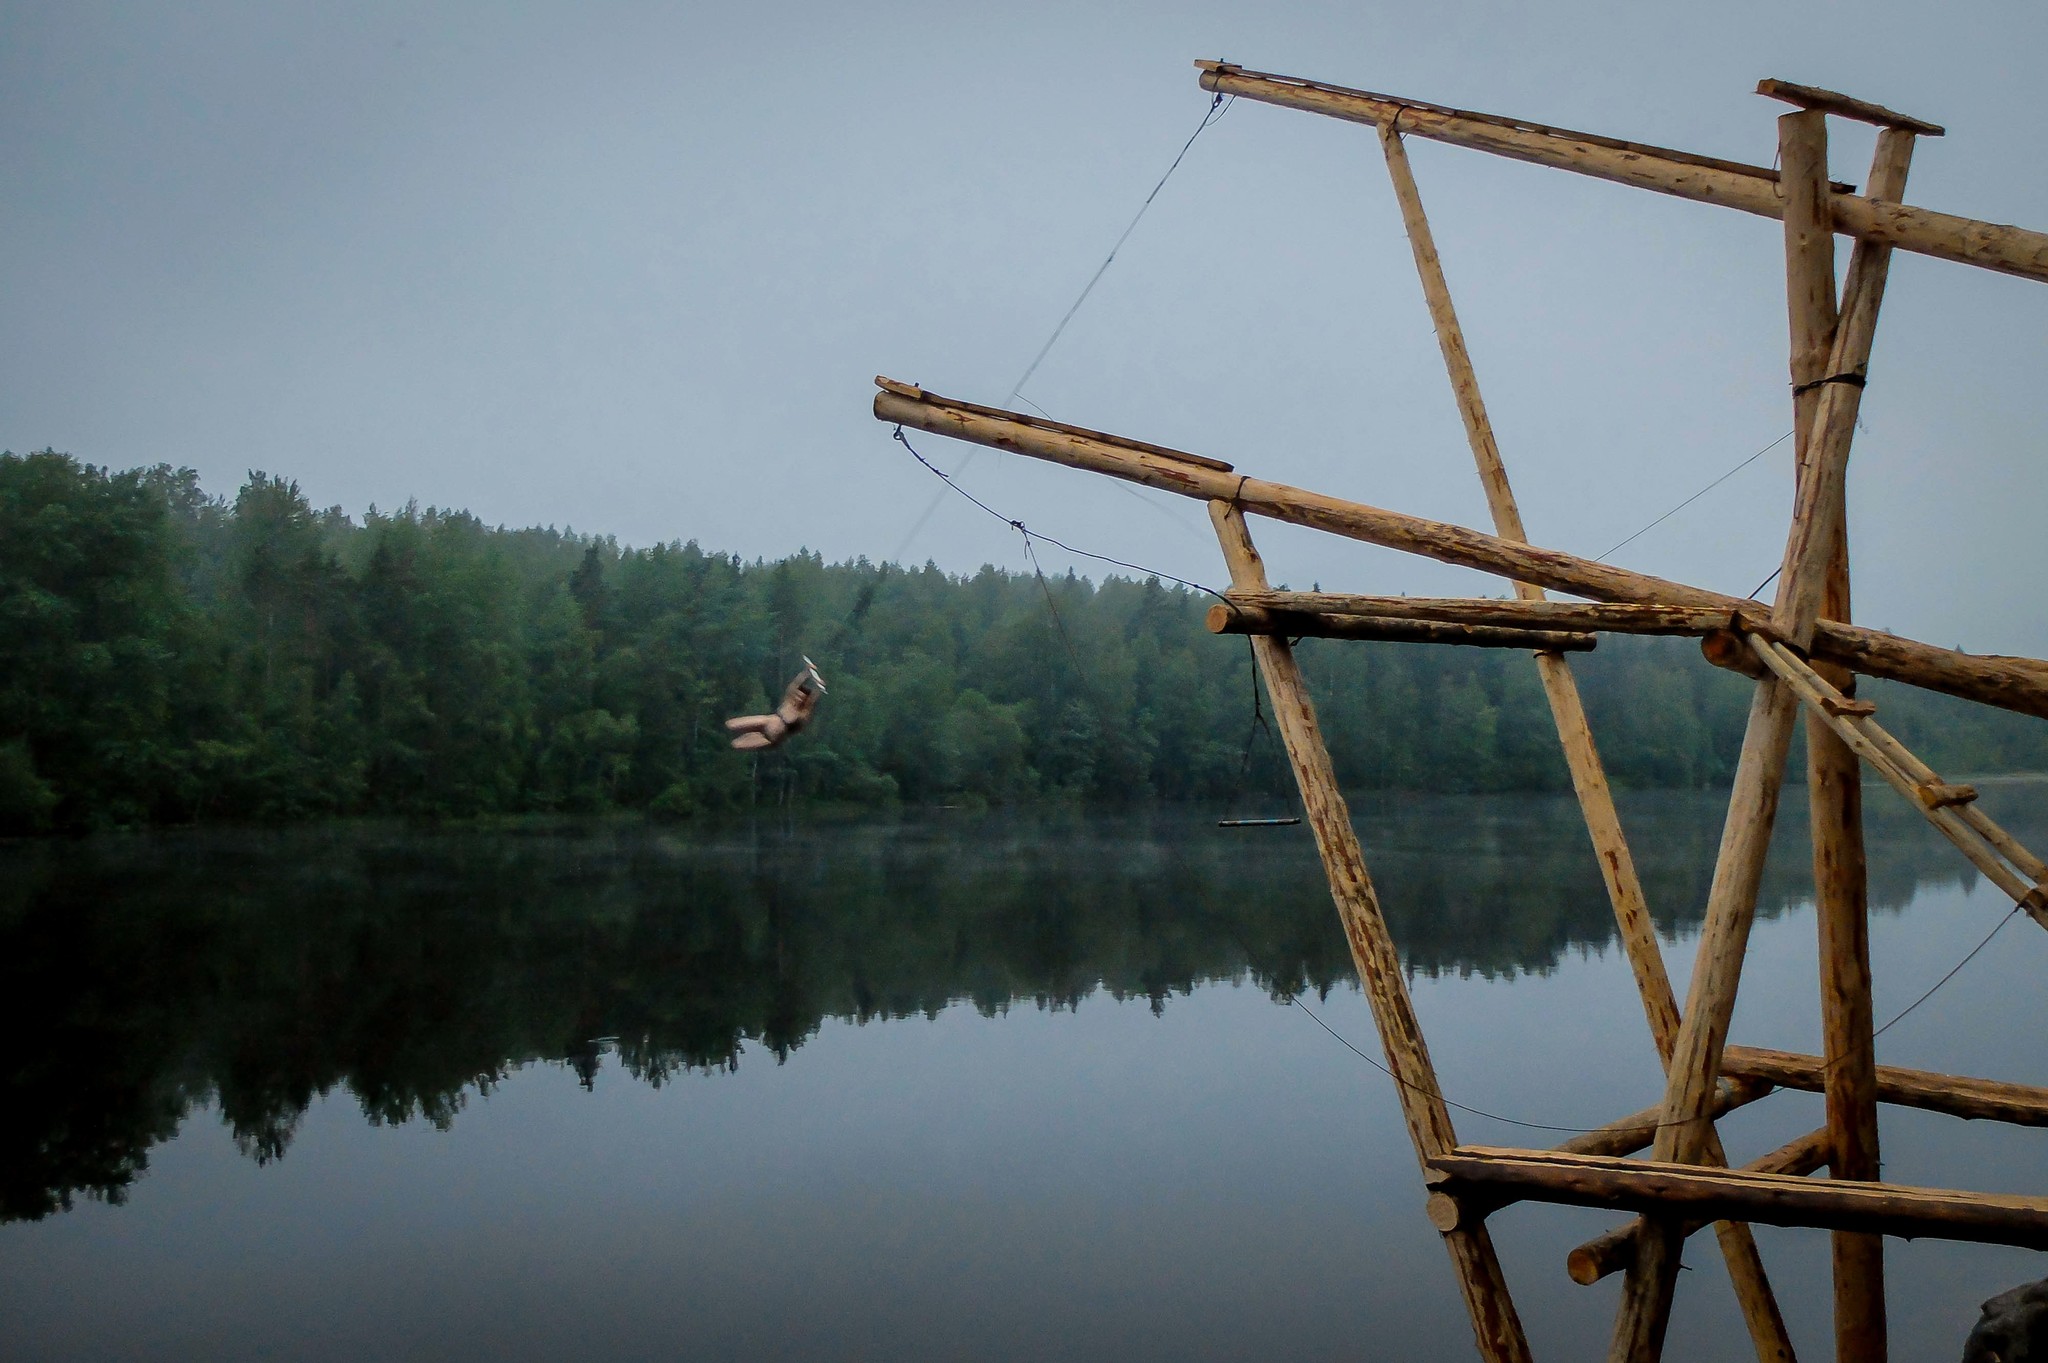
[169, 656]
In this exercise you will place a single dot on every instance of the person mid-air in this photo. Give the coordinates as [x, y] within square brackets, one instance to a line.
[756, 732]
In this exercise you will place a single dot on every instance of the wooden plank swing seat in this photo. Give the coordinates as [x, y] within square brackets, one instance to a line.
[1803, 652]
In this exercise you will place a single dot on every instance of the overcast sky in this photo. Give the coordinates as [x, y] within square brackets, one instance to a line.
[631, 269]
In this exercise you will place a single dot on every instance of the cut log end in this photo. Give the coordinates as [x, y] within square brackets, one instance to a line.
[1942, 795]
[1726, 648]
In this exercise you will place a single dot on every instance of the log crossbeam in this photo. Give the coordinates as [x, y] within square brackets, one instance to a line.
[2004, 860]
[1703, 179]
[2006, 682]
[1955, 1095]
[1614, 1251]
[1499, 1176]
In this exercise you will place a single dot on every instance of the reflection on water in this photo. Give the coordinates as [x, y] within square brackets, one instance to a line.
[144, 977]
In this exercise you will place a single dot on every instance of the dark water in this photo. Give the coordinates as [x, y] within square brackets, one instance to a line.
[922, 1088]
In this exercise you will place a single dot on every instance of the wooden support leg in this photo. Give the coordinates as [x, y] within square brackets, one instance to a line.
[1834, 776]
[1817, 516]
[1494, 1323]
[1589, 777]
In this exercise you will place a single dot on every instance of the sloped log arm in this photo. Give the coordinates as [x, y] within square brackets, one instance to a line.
[1484, 1174]
[1857, 732]
[1496, 1328]
[1616, 1250]
[1634, 1132]
[1946, 236]
[1956, 1095]
[1760, 1313]
[2009, 683]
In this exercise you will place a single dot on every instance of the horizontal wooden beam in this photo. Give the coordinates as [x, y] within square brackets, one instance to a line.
[1957, 1095]
[1992, 246]
[1635, 1131]
[2010, 683]
[1696, 1193]
[1390, 629]
[1616, 1250]
[1606, 617]
[1847, 106]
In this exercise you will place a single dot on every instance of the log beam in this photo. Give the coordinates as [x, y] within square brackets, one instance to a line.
[1613, 1252]
[1818, 520]
[1582, 756]
[1693, 1193]
[1971, 1099]
[1626, 1135]
[1603, 617]
[1384, 629]
[1495, 1326]
[1749, 189]
[2009, 683]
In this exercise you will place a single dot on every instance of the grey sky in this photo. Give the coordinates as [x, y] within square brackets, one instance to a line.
[631, 268]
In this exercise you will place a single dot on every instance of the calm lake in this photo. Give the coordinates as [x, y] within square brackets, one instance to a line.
[936, 1086]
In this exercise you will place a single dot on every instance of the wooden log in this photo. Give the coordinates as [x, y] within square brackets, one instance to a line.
[1589, 778]
[1626, 1135]
[1818, 524]
[1495, 1326]
[1972, 815]
[2009, 683]
[1618, 617]
[1946, 236]
[1847, 705]
[2023, 886]
[1224, 619]
[1834, 776]
[1942, 795]
[1972, 1099]
[1614, 1251]
[1863, 111]
[1717, 970]
[1693, 1193]
[1728, 649]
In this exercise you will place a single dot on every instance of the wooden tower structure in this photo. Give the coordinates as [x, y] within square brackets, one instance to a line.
[1803, 653]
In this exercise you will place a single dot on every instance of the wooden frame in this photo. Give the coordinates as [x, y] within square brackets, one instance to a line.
[1803, 653]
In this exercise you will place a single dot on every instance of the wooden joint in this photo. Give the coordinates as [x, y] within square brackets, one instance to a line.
[1726, 648]
[1847, 706]
[1846, 106]
[1942, 795]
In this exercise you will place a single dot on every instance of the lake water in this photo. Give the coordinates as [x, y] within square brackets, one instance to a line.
[933, 1087]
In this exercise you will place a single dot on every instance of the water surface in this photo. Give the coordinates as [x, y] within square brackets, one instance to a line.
[927, 1087]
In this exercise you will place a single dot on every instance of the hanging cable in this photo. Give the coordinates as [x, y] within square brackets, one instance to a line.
[1696, 496]
[1217, 108]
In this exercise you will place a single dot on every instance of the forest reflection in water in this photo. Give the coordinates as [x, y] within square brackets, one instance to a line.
[941, 1085]
[259, 970]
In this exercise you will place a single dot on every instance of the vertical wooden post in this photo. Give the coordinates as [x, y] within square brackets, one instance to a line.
[1834, 776]
[1817, 519]
[1637, 931]
[1494, 1323]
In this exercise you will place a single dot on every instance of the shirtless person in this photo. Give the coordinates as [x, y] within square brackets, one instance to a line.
[757, 732]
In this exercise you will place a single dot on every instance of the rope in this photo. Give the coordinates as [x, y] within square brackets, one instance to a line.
[1217, 108]
[1215, 111]
[1897, 1018]
[1029, 534]
[1697, 495]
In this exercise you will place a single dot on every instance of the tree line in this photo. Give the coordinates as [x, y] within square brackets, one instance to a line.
[169, 656]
